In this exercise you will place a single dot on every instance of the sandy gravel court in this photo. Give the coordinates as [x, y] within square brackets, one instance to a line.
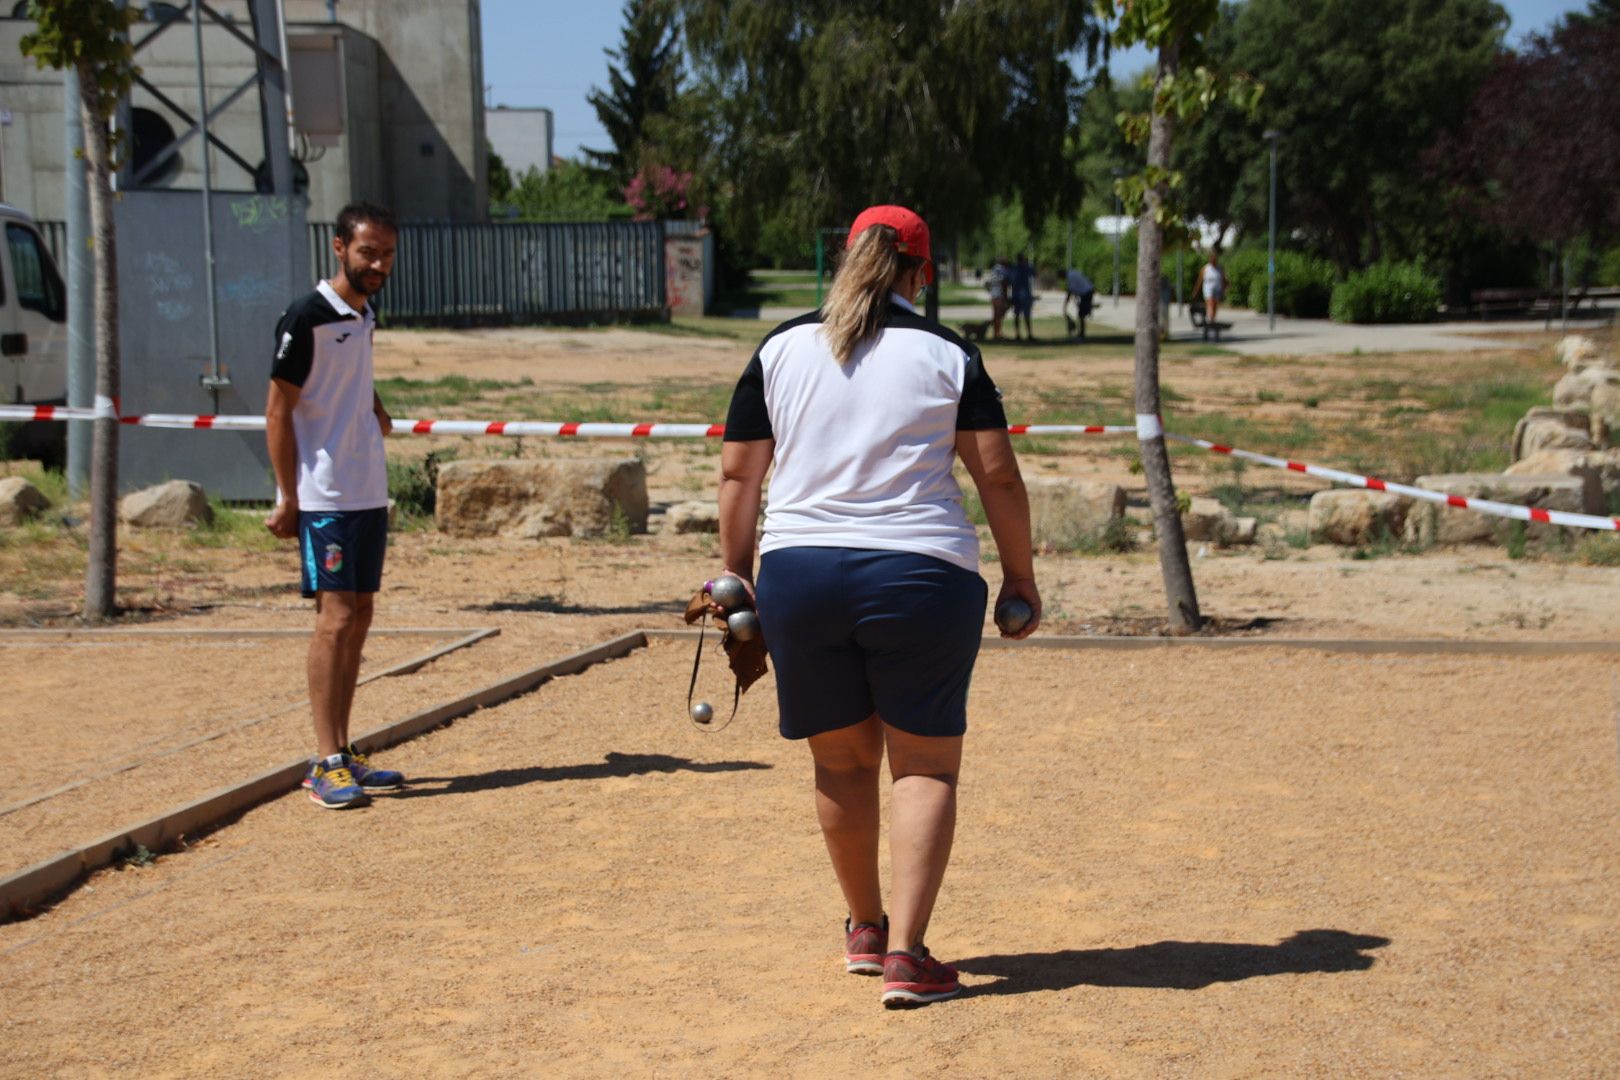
[1267, 862]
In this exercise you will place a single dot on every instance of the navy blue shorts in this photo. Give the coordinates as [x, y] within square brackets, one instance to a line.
[852, 632]
[342, 550]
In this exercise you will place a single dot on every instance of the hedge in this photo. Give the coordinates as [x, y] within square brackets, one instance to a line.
[1386, 293]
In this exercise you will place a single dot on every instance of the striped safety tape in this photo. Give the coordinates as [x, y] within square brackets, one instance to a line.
[536, 428]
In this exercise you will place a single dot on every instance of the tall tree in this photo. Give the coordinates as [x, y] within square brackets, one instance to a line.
[1358, 93]
[1541, 147]
[1183, 88]
[642, 84]
[825, 108]
[92, 36]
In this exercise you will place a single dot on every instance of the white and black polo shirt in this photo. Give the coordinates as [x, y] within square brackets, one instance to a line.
[864, 450]
[323, 347]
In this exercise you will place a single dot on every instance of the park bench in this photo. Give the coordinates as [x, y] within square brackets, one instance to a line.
[1195, 310]
[1531, 301]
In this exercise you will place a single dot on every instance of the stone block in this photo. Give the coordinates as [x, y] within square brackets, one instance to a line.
[548, 497]
[173, 505]
[1544, 428]
[692, 517]
[1354, 517]
[1062, 511]
[1430, 523]
[20, 500]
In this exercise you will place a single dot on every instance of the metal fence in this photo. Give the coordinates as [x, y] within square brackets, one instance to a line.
[521, 272]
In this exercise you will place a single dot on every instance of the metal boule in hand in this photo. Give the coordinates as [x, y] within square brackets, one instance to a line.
[729, 592]
[743, 624]
[702, 712]
[1013, 614]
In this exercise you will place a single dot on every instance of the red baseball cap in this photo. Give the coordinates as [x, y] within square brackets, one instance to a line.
[913, 232]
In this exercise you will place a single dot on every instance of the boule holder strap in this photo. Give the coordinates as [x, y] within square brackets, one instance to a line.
[747, 659]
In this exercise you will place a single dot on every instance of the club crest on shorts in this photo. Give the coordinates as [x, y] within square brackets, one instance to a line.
[334, 558]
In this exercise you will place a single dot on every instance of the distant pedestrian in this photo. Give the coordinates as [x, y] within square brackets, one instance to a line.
[325, 426]
[1211, 283]
[999, 286]
[1078, 288]
[1021, 282]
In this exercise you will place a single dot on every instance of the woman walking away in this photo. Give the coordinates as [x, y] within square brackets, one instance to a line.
[869, 590]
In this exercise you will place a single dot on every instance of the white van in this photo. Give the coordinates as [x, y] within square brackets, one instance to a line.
[33, 324]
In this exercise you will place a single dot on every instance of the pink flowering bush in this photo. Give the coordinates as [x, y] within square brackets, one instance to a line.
[659, 191]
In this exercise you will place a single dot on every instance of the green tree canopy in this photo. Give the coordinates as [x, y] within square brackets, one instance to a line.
[823, 108]
[1358, 92]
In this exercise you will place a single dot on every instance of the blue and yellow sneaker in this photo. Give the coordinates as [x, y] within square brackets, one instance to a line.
[332, 786]
[368, 778]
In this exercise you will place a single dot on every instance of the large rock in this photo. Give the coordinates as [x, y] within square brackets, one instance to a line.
[1575, 390]
[1577, 352]
[1430, 523]
[172, 505]
[1208, 519]
[1354, 517]
[1604, 406]
[1544, 428]
[20, 500]
[692, 517]
[1062, 511]
[529, 499]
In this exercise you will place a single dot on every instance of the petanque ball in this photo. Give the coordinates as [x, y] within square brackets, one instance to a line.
[702, 712]
[1013, 614]
[744, 625]
[729, 592]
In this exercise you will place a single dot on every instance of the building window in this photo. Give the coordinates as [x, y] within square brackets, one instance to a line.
[152, 135]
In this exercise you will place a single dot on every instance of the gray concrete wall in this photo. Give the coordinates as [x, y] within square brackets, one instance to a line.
[522, 137]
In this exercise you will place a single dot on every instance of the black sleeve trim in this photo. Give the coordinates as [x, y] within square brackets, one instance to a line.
[748, 419]
[980, 408]
[295, 348]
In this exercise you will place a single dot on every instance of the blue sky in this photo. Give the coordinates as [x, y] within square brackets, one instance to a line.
[550, 53]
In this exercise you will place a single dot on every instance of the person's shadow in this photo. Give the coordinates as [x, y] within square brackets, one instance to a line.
[615, 764]
[1174, 965]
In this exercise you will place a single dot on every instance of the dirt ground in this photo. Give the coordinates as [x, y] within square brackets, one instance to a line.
[1279, 862]
[1314, 865]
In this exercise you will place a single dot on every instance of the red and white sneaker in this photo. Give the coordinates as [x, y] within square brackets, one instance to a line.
[864, 946]
[917, 979]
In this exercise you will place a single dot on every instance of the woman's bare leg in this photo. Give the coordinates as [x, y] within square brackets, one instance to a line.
[921, 828]
[847, 764]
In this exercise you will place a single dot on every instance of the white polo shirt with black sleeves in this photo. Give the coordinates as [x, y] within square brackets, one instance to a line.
[864, 450]
[323, 347]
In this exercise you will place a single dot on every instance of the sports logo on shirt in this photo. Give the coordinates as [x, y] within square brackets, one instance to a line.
[286, 343]
[341, 338]
[334, 558]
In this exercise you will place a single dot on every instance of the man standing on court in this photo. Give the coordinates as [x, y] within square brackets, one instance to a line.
[325, 427]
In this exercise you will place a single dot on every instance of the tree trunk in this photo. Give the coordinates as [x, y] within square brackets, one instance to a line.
[1178, 582]
[101, 572]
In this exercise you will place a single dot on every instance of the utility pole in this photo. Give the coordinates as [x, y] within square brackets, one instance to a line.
[81, 286]
[1272, 135]
[1117, 173]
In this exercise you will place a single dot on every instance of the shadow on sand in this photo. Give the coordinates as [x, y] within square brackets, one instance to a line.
[1174, 965]
[614, 765]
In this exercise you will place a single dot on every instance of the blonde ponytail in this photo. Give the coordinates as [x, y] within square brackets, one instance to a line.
[857, 305]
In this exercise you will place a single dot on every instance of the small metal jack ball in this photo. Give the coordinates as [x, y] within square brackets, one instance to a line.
[702, 712]
[1013, 614]
[744, 625]
[729, 592]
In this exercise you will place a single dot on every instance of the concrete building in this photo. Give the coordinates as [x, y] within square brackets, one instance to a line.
[522, 137]
[388, 105]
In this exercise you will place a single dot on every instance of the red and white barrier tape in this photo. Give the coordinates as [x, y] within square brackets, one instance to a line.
[714, 431]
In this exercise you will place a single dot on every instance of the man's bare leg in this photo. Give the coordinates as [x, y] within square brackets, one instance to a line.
[333, 665]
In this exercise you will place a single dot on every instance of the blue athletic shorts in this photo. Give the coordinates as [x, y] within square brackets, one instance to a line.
[342, 550]
[852, 632]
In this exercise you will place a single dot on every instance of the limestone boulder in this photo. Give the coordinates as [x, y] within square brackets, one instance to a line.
[1354, 517]
[1575, 390]
[1544, 428]
[531, 499]
[1604, 406]
[176, 504]
[692, 517]
[20, 500]
[1063, 510]
[1577, 352]
[1429, 523]
[1209, 520]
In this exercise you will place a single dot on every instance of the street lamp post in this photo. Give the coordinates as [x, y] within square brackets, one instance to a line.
[1117, 173]
[1272, 135]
